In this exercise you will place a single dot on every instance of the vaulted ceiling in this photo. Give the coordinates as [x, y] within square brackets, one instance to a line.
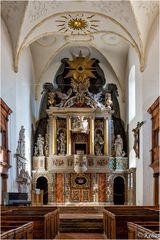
[50, 26]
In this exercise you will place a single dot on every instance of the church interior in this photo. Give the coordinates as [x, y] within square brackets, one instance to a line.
[79, 125]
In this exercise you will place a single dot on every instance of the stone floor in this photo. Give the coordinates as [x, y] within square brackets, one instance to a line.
[80, 236]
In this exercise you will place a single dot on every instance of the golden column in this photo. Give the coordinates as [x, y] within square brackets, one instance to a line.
[105, 136]
[54, 136]
[92, 136]
[68, 135]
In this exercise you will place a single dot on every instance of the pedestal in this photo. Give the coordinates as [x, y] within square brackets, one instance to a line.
[39, 163]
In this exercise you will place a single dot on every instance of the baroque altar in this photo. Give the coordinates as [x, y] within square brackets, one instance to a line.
[75, 146]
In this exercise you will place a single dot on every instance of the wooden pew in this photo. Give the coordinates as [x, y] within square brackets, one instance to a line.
[143, 230]
[45, 220]
[53, 223]
[16, 230]
[115, 220]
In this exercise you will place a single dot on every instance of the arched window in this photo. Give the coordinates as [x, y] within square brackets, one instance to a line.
[132, 94]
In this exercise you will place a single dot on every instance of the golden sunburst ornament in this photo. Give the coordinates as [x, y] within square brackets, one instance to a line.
[80, 23]
[77, 24]
[80, 67]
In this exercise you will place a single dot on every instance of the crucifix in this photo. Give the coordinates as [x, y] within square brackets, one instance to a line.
[136, 138]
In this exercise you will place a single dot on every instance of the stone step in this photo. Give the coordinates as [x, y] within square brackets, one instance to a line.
[81, 225]
[81, 209]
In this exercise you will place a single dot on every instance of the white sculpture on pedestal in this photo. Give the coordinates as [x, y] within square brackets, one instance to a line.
[118, 146]
[39, 151]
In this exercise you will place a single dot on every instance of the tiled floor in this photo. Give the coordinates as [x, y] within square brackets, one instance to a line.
[80, 236]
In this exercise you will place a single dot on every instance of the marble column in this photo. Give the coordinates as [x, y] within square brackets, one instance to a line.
[67, 187]
[52, 189]
[105, 136]
[91, 136]
[94, 187]
[68, 135]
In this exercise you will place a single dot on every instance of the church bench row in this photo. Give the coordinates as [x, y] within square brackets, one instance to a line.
[16, 230]
[45, 220]
[143, 230]
[115, 219]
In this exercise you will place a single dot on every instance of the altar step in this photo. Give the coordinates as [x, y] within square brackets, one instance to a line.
[81, 209]
[83, 225]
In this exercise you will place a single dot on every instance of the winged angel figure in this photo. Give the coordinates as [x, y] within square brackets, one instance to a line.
[64, 97]
[97, 98]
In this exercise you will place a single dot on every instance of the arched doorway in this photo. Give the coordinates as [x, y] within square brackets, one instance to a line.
[42, 184]
[119, 191]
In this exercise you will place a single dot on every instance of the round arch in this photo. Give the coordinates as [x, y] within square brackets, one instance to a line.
[119, 190]
[42, 184]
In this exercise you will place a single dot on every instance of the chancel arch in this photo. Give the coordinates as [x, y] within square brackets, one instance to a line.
[93, 95]
[78, 127]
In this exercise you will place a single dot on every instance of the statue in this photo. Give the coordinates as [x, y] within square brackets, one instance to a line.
[118, 146]
[76, 123]
[51, 99]
[99, 142]
[40, 145]
[21, 143]
[108, 101]
[62, 143]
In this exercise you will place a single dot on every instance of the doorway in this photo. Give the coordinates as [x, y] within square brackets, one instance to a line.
[119, 191]
[42, 184]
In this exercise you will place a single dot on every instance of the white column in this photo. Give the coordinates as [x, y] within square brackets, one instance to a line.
[105, 136]
[68, 135]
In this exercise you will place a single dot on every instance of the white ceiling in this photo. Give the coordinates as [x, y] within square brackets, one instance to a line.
[111, 27]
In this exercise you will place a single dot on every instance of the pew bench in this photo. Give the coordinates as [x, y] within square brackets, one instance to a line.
[16, 230]
[115, 220]
[143, 230]
[45, 220]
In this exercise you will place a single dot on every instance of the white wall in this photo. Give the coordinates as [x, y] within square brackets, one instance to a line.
[147, 90]
[133, 162]
[17, 90]
[150, 93]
